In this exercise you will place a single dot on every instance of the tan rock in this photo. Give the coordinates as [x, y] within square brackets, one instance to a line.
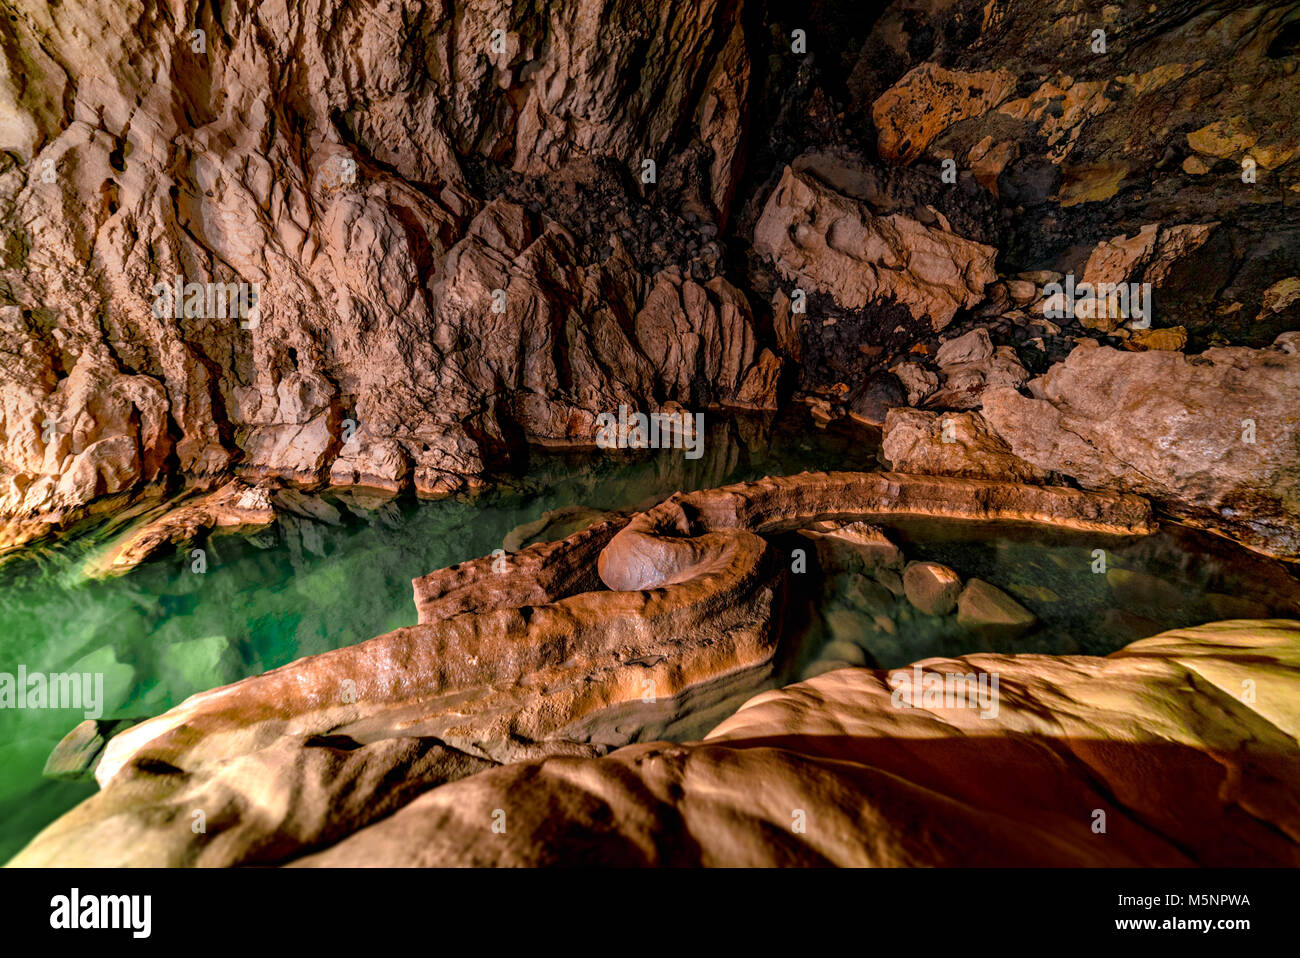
[1171, 338]
[235, 507]
[917, 380]
[951, 444]
[1173, 428]
[687, 534]
[928, 100]
[852, 546]
[988, 611]
[1279, 296]
[969, 348]
[1223, 138]
[828, 242]
[931, 588]
[1120, 734]
[376, 267]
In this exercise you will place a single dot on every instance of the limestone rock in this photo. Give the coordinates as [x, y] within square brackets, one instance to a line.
[1170, 338]
[822, 240]
[917, 380]
[1212, 439]
[852, 546]
[932, 588]
[78, 752]
[1120, 733]
[952, 444]
[965, 383]
[987, 610]
[319, 158]
[688, 536]
[973, 347]
[234, 508]
[930, 99]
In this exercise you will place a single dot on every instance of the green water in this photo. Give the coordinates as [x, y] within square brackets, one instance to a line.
[1175, 578]
[163, 632]
[308, 585]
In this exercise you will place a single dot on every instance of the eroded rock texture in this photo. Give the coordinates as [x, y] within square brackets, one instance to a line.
[1181, 780]
[513, 658]
[1212, 438]
[320, 153]
[426, 236]
[459, 246]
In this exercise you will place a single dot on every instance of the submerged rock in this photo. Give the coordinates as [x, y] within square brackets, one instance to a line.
[931, 588]
[514, 657]
[234, 508]
[988, 611]
[852, 546]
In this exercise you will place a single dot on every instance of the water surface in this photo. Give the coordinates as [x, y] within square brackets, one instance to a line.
[309, 585]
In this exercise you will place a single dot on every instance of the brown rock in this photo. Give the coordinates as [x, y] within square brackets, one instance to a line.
[951, 444]
[683, 537]
[931, 588]
[825, 241]
[1174, 428]
[987, 610]
[928, 100]
[1118, 733]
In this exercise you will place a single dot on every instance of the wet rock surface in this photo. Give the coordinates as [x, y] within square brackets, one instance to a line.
[253, 251]
[464, 253]
[1117, 734]
[523, 655]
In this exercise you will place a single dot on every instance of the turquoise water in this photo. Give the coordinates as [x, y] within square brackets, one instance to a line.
[163, 632]
[308, 585]
[1175, 578]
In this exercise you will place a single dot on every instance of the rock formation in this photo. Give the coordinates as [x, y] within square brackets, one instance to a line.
[846, 768]
[1213, 438]
[515, 657]
[848, 777]
[254, 249]
[211, 150]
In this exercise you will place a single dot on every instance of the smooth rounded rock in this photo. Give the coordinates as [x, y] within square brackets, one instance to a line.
[986, 609]
[932, 588]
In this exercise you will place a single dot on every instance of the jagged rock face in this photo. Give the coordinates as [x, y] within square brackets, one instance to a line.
[1212, 438]
[1086, 138]
[318, 152]
[834, 244]
[436, 205]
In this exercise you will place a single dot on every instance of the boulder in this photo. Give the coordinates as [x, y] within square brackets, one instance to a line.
[952, 444]
[989, 612]
[972, 347]
[825, 241]
[1212, 439]
[852, 546]
[931, 588]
